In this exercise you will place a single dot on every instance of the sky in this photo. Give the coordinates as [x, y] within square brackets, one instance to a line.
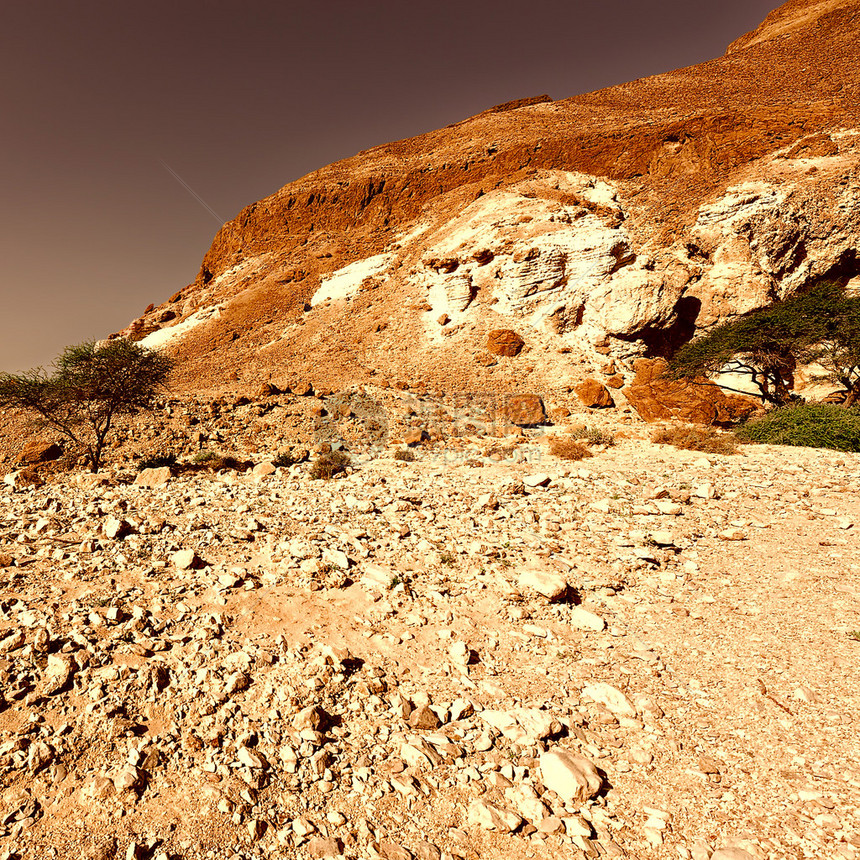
[130, 131]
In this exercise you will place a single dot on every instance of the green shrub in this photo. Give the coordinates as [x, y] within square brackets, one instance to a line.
[693, 437]
[811, 425]
[405, 454]
[330, 464]
[204, 456]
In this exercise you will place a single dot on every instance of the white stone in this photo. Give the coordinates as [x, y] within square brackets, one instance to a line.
[549, 584]
[582, 619]
[611, 698]
[491, 817]
[572, 777]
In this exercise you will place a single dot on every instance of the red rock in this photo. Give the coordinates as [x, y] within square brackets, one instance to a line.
[39, 451]
[594, 394]
[524, 410]
[415, 437]
[656, 396]
[504, 341]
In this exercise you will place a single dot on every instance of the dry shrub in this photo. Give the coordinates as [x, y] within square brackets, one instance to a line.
[406, 455]
[568, 448]
[692, 437]
[592, 435]
[329, 464]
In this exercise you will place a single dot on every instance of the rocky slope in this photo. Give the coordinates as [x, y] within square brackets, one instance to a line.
[484, 653]
[614, 223]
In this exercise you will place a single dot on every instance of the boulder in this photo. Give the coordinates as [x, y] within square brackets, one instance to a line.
[656, 396]
[572, 777]
[153, 477]
[594, 394]
[547, 583]
[39, 451]
[523, 410]
[504, 341]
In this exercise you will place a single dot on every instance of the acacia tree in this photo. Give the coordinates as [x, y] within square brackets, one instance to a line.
[767, 345]
[91, 385]
[839, 351]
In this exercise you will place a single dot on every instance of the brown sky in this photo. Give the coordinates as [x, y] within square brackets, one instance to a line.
[239, 99]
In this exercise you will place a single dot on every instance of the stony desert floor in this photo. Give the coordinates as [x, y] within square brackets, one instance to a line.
[643, 654]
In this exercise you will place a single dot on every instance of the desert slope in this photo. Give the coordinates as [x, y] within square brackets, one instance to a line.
[605, 226]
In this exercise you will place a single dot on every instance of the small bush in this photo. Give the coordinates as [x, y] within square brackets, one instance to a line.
[328, 465]
[692, 437]
[568, 448]
[212, 462]
[405, 454]
[592, 435]
[810, 425]
[157, 461]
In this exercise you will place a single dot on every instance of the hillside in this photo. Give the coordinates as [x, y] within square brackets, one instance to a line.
[614, 223]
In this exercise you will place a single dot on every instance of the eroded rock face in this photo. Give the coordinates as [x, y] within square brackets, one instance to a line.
[656, 396]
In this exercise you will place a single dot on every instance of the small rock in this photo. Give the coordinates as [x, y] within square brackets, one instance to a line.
[313, 717]
[538, 480]
[321, 847]
[504, 341]
[571, 777]
[58, 673]
[153, 477]
[424, 718]
[553, 586]
[594, 394]
[582, 619]
[611, 698]
[114, 528]
[186, 559]
[491, 817]
[263, 470]
[731, 854]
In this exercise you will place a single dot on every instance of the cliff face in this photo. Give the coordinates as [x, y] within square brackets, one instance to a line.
[600, 228]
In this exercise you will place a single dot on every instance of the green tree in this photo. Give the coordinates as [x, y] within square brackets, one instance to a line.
[839, 350]
[767, 345]
[91, 385]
